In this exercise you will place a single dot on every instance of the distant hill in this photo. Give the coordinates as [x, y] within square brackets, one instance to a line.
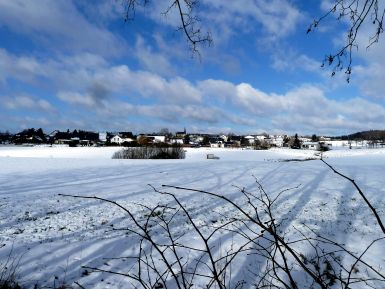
[366, 135]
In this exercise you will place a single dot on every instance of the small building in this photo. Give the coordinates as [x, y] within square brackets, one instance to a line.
[181, 134]
[311, 145]
[224, 137]
[119, 140]
[217, 144]
[195, 138]
[250, 139]
[103, 136]
[157, 138]
[178, 141]
[261, 137]
[276, 140]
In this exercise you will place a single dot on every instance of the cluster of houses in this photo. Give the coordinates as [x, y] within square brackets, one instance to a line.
[197, 140]
[258, 141]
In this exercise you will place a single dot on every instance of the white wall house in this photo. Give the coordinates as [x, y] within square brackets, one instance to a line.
[119, 140]
[196, 138]
[277, 140]
[176, 141]
[340, 143]
[217, 144]
[103, 136]
[159, 138]
[224, 137]
[260, 137]
[311, 145]
[250, 139]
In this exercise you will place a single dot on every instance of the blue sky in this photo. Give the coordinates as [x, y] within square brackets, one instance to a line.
[78, 65]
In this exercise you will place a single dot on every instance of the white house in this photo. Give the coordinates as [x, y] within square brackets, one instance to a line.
[224, 137]
[178, 141]
[304, 139]
[277, 140]
[103, 136]
[119, 140]
[260, 137]
[311, 145]
[250, 139]
[196, 138]
[217, 144]
[158, 138]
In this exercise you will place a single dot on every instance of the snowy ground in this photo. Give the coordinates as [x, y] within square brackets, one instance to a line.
[54, 236]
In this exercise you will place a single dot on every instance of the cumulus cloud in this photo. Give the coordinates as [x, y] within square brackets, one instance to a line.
[287, 60]
[91, 75]
[148, 85]
[304, 108]
[27, 102]
[150, 60]
[21, 68]
[118, 93]
[58, 24]
[370, 73]
[77, 98]
[278, 18]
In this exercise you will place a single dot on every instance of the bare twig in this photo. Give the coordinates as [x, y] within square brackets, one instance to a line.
[357, 12]
[188, 20]
[368, 203]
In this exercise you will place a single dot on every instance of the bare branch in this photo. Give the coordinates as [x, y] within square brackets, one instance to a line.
[356, 12]
[374, 211]
[189, 21]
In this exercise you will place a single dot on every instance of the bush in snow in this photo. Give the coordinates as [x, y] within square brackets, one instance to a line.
[151, 152]
[8, 272]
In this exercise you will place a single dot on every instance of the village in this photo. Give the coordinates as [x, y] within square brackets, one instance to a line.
[183, 138]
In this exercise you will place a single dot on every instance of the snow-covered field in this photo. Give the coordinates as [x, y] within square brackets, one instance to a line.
[54, 235]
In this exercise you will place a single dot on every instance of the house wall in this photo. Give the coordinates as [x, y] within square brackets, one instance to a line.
[311, 146]
[217, 145]
[117, 139]
[159, 138]
[176, 141]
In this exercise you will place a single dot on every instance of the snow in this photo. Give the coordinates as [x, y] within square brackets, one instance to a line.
[55, 235]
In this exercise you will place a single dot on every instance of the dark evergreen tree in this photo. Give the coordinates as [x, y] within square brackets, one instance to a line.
[186, 139]
[296, 143]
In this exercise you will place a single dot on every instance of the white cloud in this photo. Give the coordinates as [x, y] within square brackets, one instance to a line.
[90, 74]
[278, 18]
[21, 68]
[285, 60]
[304, 108]
[152, 61]
[76, 98]
[27, 102]
[117, 93]
[57, 24]
[275, 18]
[370, 73]
[217, 89]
